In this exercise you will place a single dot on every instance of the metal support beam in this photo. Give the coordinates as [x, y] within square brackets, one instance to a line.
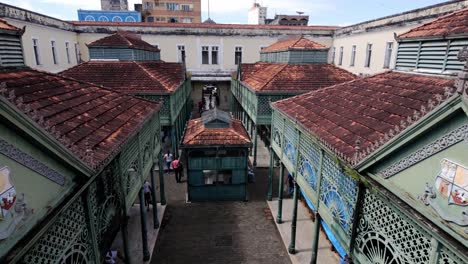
[144, 235]
[173, 140]
[153, 197]
[280, 195]
[161, 178]
[124, 231]
[255, 128]
[315, 240]
[292, 244]
[270, 178]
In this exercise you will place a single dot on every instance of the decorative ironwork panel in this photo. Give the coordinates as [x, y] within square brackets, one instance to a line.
[339, 193]
[309, 162]
[30, 162]
[291, 138]
[277, 128]
[105, 201]
[386, 236]
[133, 174]
[448, 257]
[66, 240]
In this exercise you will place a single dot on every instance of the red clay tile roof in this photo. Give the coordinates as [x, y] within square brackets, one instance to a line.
[197, 134]
[268, 77]
[295, 43]
[123, 39]
[372, 109]
[5, 26]
[80, 115]
[198, 25]
[452, 24]
[130, 76]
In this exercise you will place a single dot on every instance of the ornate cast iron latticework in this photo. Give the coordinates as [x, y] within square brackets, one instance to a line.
[66, 241]
[105, 205]
[339, 193]
[387, 236]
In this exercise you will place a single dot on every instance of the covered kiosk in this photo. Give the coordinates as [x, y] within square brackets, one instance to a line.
[216, 148]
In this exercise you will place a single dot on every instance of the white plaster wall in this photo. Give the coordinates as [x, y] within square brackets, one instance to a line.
[45, 35]
[378, 39]
[193, 51]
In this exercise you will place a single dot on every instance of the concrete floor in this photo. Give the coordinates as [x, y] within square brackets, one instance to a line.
[304, 234]
[225, 232]
[134, 234]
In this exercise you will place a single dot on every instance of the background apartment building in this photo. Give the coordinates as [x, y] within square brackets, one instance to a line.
[172, 11]
[114, 5]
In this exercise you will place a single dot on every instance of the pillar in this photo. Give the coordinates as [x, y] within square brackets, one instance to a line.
[255, 128]
[248, 126]
[124, 231]
[315, 240]
[173, 139]
[161, 178]
[270, 178]
[153, 197]
[144, 235]
[280, 194]
[292, 244]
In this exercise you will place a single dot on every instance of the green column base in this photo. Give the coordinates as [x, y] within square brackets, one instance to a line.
[291, 250]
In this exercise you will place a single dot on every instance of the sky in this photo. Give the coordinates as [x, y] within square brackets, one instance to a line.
[321, 12]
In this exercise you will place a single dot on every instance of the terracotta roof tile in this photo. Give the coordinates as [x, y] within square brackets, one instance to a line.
[365, 109]
[267, 77]
[199, 25]
[80, 115]
[294, 43]
[123, 39]
[455, 23]
[130, 76]
[5, 26]
[197, 134]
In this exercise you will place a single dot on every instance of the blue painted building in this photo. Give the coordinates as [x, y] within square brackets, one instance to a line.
[109, 16]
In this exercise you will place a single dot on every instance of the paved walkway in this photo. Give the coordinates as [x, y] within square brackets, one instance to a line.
[304, 234]
[221, 233]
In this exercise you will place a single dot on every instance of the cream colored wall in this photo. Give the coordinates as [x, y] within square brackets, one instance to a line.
[227, 44]
[378, 39]
[45, 35]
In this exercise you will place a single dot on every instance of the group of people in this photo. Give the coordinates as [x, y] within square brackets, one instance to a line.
[175, 164]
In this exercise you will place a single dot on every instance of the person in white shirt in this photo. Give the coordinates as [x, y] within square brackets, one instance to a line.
[168, 159]
[147, 191]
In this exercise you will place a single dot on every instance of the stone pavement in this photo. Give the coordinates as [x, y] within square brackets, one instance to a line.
[263, 154]
[304, 234]
[134, 234]
[224, 232]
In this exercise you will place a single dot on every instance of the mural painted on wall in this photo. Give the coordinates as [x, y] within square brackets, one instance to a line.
[452, 183]
[13, 207]
[450, 188]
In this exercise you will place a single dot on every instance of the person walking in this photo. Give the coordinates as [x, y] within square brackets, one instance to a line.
[147, 190]
[200, 107]
[175, 167]
[168, 159]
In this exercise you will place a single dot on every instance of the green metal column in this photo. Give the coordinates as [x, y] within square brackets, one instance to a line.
[124, 231]
[161, 178]
[270, 178]
[316, 228]
[153, 196]
[292, 244]
[231, 103]
[255, 146]
[173, 140]
[315, 241]
[280, 195]
[144, 235]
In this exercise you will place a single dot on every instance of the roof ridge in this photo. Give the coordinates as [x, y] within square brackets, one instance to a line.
[125, 38]
[146, 71]
[297, 41]
[274, 75]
